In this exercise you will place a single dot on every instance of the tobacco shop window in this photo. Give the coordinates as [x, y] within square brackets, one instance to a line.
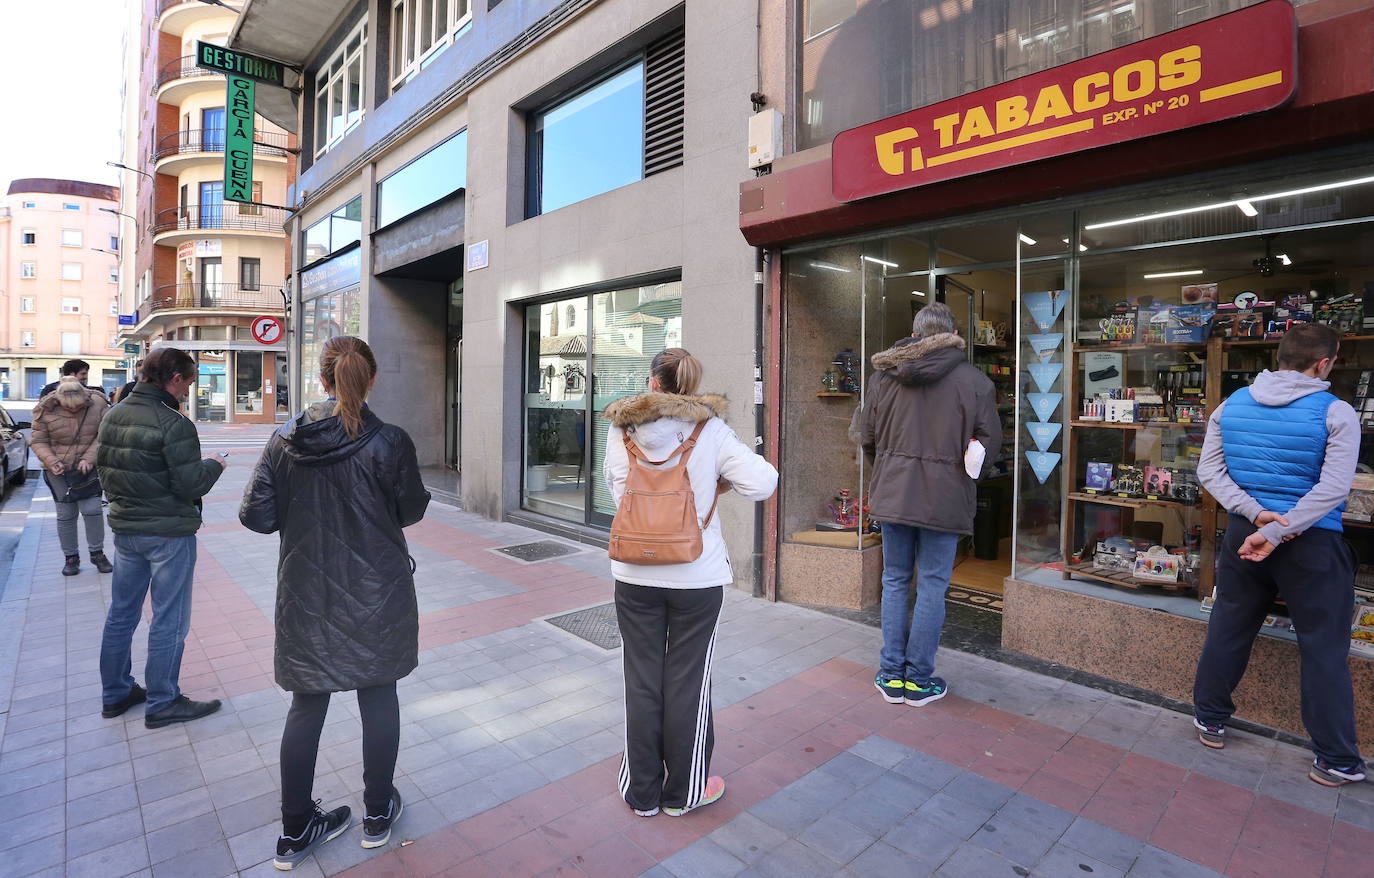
[617, 130]
[420, 30]
[436, 174]
[340, 92]
[604, 341]
[863, 60]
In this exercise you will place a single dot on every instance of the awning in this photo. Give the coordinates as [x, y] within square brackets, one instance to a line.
[286, 31]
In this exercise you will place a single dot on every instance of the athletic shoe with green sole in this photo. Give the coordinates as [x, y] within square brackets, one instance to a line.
[893, 688]
[933, 690]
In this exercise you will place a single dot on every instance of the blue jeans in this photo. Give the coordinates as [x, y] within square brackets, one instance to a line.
[911, 638]
[166, 564]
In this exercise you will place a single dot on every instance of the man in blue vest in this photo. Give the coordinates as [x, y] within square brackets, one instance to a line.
[1280, 455]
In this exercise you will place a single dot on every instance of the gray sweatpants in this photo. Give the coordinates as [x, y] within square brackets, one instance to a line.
[89, 509]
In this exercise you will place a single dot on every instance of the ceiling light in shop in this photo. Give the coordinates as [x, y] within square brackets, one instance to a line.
[878, 261]
[1283, 257]
[1186, 273]
[1247, 208]
[829, 267]
[1027, 240]
[1081, 246]
[918, 293]
[1360, 181]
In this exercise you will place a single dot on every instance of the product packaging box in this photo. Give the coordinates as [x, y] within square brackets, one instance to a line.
[1189, 324]
[1157, 565]
[1099, 477]
[1346, 316]
[1159, 483]
[1240, 323]
[1362, 630]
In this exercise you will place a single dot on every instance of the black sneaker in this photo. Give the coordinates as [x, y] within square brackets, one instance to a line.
[377, 830]
[102, 564]
[893, 688]
[72, 566]
[918, 696]
[181, 710]
[1328, 775]
[137, 695]
[1210, 734]
[323, 826]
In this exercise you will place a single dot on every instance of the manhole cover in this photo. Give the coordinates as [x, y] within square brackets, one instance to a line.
[543, 550]
[595, 625]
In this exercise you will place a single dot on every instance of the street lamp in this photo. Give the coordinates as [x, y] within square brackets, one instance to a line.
[124, 167]
[113, 253]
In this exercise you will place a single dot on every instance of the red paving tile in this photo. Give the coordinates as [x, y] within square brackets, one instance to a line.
[661, 837]
[1249, 862]
[523, 857]
[614, 857]
[1058, 792]
[589, 824]
[591, 784]
[1201, 814]
[435, 852]
[493, 828]
[1008, 772]
[1222, 796]
[1193, 843]
[542, 805]
[1152, 770]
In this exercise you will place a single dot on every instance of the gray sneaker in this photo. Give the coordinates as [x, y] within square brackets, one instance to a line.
[377, 830]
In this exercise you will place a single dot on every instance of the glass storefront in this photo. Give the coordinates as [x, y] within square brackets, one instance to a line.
[582, 354]
[248, 386]
[331, 305]
[1111, 329]
[212, 386]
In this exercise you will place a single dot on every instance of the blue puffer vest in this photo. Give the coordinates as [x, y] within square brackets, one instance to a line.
[1275, 453]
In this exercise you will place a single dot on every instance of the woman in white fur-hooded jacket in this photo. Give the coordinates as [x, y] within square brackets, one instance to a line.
[668, 728]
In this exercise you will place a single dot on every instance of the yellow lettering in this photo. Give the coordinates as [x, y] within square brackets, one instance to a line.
[1050, 104]
[976, 124]
[1180, 68]
[890, 158]
[1011, 114]
[945, 125]
[1085, 100]
[1121, 81]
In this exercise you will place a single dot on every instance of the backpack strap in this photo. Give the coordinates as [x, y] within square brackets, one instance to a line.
[685, 449]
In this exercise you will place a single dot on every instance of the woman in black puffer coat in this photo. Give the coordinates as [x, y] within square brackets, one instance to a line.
[340, 485]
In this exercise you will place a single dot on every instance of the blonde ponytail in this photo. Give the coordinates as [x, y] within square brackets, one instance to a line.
[677, 371]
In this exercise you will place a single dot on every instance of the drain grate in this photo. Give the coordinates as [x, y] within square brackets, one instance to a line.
[543, 550]
[595, 625]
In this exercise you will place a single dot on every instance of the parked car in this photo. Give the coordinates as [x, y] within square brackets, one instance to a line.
[16, 449]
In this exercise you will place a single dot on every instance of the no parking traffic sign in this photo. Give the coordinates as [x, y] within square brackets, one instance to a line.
[268, 330]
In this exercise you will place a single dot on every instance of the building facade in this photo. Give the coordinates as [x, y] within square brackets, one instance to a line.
[59, 266]
[1126, 205]
[202, 268]
[518, 205]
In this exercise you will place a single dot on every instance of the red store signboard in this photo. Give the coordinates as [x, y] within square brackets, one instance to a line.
[1233, 65]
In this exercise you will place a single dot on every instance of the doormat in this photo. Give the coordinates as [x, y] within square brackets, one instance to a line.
[533, 553]
[595, 625]
[968, 597]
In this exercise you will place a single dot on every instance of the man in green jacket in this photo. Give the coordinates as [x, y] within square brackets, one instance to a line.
[153, 475]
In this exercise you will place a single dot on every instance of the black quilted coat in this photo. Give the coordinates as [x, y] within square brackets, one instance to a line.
[346, 612]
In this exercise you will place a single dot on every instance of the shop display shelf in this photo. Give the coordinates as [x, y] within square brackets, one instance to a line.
[1124, 579]
[1273, 342]
[1128, 502]
[836, 395]
[1134, 346]
[1142, 425]
[1348, 522]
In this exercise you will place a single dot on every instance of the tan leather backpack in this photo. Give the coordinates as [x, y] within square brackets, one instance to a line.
[656, 522]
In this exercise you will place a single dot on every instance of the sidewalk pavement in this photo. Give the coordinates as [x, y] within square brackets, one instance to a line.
[511, 730]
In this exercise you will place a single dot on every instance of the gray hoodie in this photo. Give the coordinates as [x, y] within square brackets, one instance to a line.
[1338, 469]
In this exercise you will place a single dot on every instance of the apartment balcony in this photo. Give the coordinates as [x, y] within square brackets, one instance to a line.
[192, 221]
[180, 149]
[180, 78]
[174, 16]
[212, 297]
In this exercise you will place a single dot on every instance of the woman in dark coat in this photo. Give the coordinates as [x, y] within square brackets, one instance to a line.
[340, 485]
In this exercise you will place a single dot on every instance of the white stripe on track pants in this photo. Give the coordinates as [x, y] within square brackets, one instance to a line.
[669, 635]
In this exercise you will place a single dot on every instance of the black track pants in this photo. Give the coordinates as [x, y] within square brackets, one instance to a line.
[300, 745]
[669, 636]
[1315, 575]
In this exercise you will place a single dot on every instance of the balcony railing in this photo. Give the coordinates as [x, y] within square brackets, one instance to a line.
[212, 140]
[164, 5]
[225, 215]
[225, 297]
[180, 68]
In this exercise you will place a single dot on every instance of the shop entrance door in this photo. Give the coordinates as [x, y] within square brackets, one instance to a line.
[453, 386]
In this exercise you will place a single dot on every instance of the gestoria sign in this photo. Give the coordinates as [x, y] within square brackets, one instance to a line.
[1229, 66]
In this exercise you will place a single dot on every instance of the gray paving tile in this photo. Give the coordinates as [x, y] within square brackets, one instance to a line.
[243, 816]
[853, 769]
[926, 770]
[100, 805]
[36, 856]
[837, 838]
[37, 798]
[959, 818]
[971, 861]
[242, 787]
[255, 846]
[35, 825]
[1063, 861]
[121, 859]
[969, 787]
[922, 840]
[899, 792]
[1155, 863]
[748, 838]
[166, 761]
[884, 861]
[170, 783]
[792, 859]
[211, 861]
[1354, 811]
[34, 776]
[790, 812]
[1019, 843]
[1035, 814]
[183, 837]
[703, 859]
[466, 801]
[87, 837]
[1116, 849]
[517, 780]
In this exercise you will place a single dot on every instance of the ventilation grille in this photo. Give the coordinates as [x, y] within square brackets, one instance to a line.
[665, 98]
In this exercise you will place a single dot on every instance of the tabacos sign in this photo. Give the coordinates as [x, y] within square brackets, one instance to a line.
[1228, 66]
